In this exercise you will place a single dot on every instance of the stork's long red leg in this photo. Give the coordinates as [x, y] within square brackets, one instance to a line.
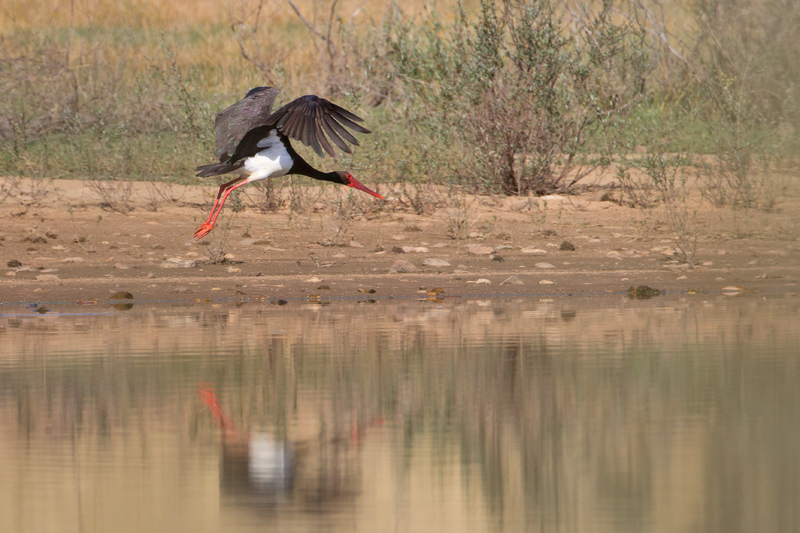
[225, 188]
[219, 193]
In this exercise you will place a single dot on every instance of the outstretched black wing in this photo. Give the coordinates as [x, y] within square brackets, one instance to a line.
[309, 118]
[250, 112]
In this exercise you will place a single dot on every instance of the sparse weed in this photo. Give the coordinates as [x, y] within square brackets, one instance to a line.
[265, 196]
[158, 193]
[538, 215]
[336, 219]
[668, 175]
[456, 214]
[636, 187]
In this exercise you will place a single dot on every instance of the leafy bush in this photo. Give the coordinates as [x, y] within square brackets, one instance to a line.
[520, 101]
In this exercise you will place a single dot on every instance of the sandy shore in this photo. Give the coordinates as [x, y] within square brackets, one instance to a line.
[67, 248]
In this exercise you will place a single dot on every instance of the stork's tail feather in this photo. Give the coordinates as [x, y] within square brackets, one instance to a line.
[215, 169]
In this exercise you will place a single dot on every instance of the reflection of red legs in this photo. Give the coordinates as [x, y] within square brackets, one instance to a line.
[225, 188]
[206, 393]
[230, 434]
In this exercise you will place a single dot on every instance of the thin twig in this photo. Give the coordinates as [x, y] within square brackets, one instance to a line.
[330, 23]
[69, 34]
[307, 23]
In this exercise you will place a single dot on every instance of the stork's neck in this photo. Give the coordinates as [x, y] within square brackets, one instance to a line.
[301, 167]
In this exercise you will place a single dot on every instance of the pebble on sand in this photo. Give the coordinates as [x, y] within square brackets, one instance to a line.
[182, 290]
[434, 262]
[512, 280]
[402, 267]
[480, 250]
[643, 292]
[728, 289]
[121, 295]
[177, 262]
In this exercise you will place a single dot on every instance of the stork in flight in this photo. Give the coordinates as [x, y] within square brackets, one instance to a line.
[253, 140]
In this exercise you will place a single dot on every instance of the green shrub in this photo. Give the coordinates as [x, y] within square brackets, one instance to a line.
[518, 101]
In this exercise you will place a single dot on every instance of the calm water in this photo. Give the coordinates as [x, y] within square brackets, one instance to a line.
[676, 414]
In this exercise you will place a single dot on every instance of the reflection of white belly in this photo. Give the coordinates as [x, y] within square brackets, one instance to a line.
[270, 461]
[271, 162]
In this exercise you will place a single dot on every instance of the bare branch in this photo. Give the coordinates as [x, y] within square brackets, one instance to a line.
[255, 59]
[659, 30]
[308, 24]
[69, 34]
[328, 36]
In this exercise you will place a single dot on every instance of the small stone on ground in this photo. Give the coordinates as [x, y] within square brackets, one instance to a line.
[434, 262]
[177, 262]
[401, 267]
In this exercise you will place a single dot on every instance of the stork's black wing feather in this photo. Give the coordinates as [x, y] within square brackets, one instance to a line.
[309, 118]
[348, 119]
[343, 133]
[233, 123]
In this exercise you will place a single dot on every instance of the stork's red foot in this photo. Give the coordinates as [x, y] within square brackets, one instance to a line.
[204, 230]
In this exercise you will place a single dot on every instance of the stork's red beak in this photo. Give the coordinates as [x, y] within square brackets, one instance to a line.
[354, 183]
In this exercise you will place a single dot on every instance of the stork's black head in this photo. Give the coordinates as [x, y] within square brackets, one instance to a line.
[345, 178]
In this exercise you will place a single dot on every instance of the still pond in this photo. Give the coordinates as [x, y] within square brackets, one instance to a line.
[602, 414]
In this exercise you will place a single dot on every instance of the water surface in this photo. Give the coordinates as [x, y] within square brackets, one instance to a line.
[680, 413]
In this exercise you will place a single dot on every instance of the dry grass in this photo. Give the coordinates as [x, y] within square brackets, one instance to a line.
[126, 36]
[184, 13]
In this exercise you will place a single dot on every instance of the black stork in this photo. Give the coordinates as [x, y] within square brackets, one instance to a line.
[250, 138]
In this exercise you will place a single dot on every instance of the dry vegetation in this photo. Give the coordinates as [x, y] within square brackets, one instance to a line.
[498, 96]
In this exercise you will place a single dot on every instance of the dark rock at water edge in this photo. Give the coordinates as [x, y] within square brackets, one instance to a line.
[643, 292]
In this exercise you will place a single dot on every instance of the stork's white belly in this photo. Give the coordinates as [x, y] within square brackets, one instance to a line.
[271, 162]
